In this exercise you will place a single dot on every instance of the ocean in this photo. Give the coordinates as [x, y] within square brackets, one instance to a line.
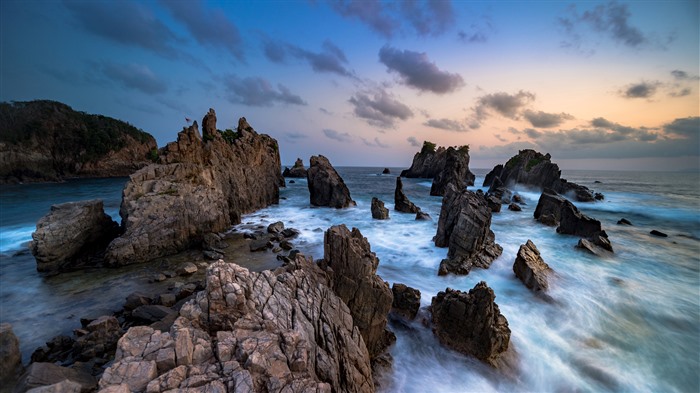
[626, 322]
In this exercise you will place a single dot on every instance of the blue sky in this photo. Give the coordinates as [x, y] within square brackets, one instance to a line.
[596, 84]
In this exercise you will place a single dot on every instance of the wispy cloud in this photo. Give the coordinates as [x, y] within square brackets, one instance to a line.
[338, 136]
[294, 137]
[133, 76]
[256, 91]
[446, 124]
[413, 141]
[541, 119]
[429, 17]
[416, 70]
[375, 143]
[379, 108]
[330, 59]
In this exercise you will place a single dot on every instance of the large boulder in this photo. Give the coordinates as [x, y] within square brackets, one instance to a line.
[429, 163]
[379, 212]
[202, 186]
[530, 268]
[10, 356]
[406, 301]
[471, 322]
[297, 170]
[353, 269]
[548, 210]
[282, 330]
[465, 227]
[326, 187]
[401, 201]
[71, 235]
[455, 171]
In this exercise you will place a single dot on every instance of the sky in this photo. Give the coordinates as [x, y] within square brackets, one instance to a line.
[598, 85]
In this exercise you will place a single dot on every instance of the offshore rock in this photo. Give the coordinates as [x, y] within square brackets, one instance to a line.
[406, 301]
[428, 163]
[200, 187]
[71, 234]
[353, 267]
[10, 356]
[379, 212]
[326, 187]
[297, 170]
[455, 171]
[465, 227]
[386, 171]
[401, 201]
[471, 323]
[251, 332]
[548, 210]
[530, 268]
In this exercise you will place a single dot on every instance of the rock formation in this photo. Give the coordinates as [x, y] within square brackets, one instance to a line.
[406, 301]
[71, 235]
[297, 170]
[535, 169]
[59, 379]
[455, 171]
[353, 267]
[471, 323]
[326, 187]
[49, 141]
[401, 201]
[465, 227]
[379, 212]
[386, 171]
[271, 331]
[530, 268]
[10, 356]
[201, 186]
[429, 162]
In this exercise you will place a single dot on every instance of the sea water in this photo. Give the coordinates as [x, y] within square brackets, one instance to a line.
[629, 321]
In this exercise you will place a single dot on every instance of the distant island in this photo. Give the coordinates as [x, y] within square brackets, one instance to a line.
[46, 140]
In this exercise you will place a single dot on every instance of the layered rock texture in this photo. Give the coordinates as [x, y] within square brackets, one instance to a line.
[530, 268]
[352, 266]
[202, 185]
[379, 212]
[49, 141]
[401, 201]
[326, 187]
[297, 170]
[450, 165]
[271, 331]
[72, 235]
[465, 227]
[471, 322]
[535, 169]
[406, 301]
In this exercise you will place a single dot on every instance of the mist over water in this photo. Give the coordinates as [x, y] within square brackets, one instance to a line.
[627, 322]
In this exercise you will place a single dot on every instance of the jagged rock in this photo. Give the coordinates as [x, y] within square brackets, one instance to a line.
[493, 203]
[658, 233]
[297, 170]
[514, 207]
[386, 171]
[624, 221]
[10, 356]
[518, 199]
[101, 340]
[471, 323]
[379, 212]
[354, 279]
[286, 245]
[548, 210]
[49, 141]
[137, 299]
[199, 188]
[187, 269]
[401, 202]
[326, 187]
[465, 227]
[71, 234]
[421, 216]
[213, 242]
[209, 131]
[455, 171]
[289, 233]
[275, 227]
[260, 244]
[57, 349]
[270, 331]
[45, 374]
[530, 268]
[598, 196]
[406, 301]
[493, 175]
[580, 193]
[573, 222]
[429, 162]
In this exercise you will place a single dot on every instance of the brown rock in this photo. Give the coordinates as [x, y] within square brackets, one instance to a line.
[530, 268]
[10, 356]
[401, 202]
[297, 171]
[46, 374]
[379, 212]
[429, 162]
[406, 301]
[455, 171]
[326, 187]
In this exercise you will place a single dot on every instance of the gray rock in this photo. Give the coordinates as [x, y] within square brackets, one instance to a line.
[624, 221]
[290, 233]
[421, 216]
[530, 268]
[137, 299]
[454, 171]
[152, 312]
[326, 187]
[187, 269]
[658, 233]
[430, 162]
[401, 201]
[297, 170]
[260, 244]
[379, 212]
[276, 227]
[46, 374]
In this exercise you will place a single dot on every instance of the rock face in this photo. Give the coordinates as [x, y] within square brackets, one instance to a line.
[455, 171]
[465, 227]
[297, 170]
[471, 323]
[45, 374]
[10, 356]
[49, 141]
[535, 169]
[379, 212]
[530, 268]
[401, 201]
[386, 171]
[71, 234]
[354, 266]
[200, 187]
[429, 162]
[326, 187]
[406, 301]
[271, 331]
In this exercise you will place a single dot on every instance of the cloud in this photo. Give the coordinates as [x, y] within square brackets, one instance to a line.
[275, 51]
[133, 76]
[640, 90]
[683, 76]
[446, 124]
[335, 135]
[210, 27]
[478, 32]
[370, 12]
[688, 127]
[375, 143]
[294, 137]
[125, 22]
[430, 17]
[379, 108]
[507, 105]
[325, 111]
[330, 59]
[256, 91]
[681, 93]
[534, 134]
[500, 138]
[416, 70]
[413, 141]
[541, 119]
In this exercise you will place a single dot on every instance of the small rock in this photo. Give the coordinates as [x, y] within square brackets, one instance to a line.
[517, 198]
[277, 249]
[514, 207]
[187, 269]
[167, 299]
[286, 245]
[406, 301]
[135, 300]
[186, 291]
[598, 196]
[292, 182]
[530, 268]
[10, 356]
[386, 171]
[260, 245]
[290, 233]
[158, 277]
[379, 212]
[276, 227]
[658, 233]
[151, 313]
[493, 203]
[624, 221]
[169, 273]
[421, 216]
[213, 255]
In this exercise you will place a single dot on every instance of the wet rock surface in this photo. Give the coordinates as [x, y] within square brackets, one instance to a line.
[530, 268]
[401, 201]
[297, 171]
[455, 171]
[326, 187]
[406, 301]
[379, 212]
